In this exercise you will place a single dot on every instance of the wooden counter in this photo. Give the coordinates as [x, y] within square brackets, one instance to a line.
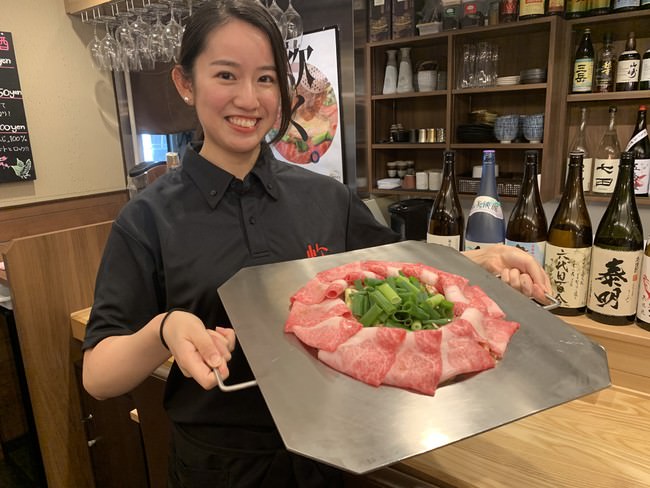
[601, 440]
[3, 273]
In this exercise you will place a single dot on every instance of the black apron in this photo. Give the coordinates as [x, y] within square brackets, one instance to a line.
[240, 458]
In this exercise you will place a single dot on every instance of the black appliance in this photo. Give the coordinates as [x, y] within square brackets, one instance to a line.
[410, 218]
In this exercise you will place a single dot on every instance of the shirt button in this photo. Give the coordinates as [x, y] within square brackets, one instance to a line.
[270, 186]
[251, 220]
[213, 193]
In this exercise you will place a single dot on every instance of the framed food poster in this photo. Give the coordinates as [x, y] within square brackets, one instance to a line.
[314, 137]
[15, 149]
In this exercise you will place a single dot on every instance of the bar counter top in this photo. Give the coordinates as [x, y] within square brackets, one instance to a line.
[598, 441]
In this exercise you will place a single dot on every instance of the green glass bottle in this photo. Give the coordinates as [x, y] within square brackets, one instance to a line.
[617, 253]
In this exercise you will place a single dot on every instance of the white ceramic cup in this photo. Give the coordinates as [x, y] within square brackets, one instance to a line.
[435, 180]
[421, 180]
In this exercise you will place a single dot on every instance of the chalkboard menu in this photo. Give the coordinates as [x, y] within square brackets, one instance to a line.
[16, 162]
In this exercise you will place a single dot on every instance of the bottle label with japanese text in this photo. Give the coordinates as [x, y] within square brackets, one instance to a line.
[488, 205]
[605, 173]
[614, 282]
[531, 7]
[568, 270]
[535, 249]
[645, 67]
[556, 6]
[583, 75]
[449, 241]
[643, 304]
[641, 176]
[624, 4]
[628, 70]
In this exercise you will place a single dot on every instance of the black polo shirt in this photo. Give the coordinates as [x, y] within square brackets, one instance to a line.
[189, 232]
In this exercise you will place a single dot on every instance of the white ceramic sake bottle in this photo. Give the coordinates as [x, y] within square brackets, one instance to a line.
[390, 75]
[405, 77]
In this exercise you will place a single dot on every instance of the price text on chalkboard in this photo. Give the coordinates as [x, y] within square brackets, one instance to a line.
[16, 162]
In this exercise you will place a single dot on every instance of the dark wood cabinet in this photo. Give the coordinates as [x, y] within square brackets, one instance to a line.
[114, 440]
[525, 45]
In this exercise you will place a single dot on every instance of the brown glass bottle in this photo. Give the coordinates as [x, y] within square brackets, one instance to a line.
[629, 66]
[568, 247]
[446, 222]
[575, 9]
[555, 7]
[583, 65]
[616, 254]
[639, 146]
[527, 227]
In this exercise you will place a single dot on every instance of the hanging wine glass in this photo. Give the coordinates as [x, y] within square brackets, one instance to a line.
[291, 28]
[157, 41]
[276, 12]
[173, 36]
[94, 47]
[110, 48]
[129, 56]
[140, 33]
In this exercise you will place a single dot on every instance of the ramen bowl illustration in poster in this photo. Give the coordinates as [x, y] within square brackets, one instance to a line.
[313, 139]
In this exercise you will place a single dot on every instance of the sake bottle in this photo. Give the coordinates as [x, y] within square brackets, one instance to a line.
[581, 144]
[629, 66]
[485, 224]
[605, 66]
[639, 145]
[568, 247]
[616, 255]
[527, 227]
[644, 79]
[583, 65]
[643, 303]
[606, 158]
[447, 222]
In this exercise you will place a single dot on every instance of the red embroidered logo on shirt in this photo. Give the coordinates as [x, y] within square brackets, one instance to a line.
[316, 250]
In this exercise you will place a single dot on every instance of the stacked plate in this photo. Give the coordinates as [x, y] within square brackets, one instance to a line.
[507, 80]
[475, 133]
[535, 75]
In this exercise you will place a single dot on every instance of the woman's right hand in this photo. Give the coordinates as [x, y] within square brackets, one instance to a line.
[198, 350]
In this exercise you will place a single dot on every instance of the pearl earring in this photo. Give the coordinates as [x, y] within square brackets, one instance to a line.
[187, 99]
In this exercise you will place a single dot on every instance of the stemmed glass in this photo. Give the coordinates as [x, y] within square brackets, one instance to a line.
[94, 47]
[129, 54]
[173, 36]
[110, 49]
[291, 28]
[158, 44]
[276, 12]
[140, 32]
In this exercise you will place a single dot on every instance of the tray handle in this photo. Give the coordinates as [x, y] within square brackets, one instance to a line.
[227, 388]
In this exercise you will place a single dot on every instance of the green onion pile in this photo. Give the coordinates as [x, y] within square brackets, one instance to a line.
[398, 301]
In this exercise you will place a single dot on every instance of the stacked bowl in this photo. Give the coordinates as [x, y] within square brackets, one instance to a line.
[534, 128]
[506, 128]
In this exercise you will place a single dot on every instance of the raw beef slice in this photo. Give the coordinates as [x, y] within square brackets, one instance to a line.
[368, 355]
[417, 365]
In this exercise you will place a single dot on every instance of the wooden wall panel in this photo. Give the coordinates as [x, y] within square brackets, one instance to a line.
[52, 275]
[39, 218]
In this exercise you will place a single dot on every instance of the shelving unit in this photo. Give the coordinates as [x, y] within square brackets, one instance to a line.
[597, 104]
[522, 45]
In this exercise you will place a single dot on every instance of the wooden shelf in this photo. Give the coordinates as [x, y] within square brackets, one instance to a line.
[606, 97]
[498, 145]
[401, 96]
[500, 89]
[410, 145]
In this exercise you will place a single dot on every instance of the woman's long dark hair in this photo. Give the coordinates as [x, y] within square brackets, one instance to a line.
[213, 15]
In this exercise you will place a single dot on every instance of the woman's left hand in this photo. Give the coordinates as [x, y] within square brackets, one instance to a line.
[516, 268]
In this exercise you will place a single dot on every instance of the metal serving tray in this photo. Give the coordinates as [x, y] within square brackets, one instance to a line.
[328, 416]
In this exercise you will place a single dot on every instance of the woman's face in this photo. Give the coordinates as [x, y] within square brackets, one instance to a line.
[235, 91]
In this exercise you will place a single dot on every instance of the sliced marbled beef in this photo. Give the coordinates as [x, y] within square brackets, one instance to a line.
[495, 331]
[328, 334]
[366, 356]
[309, 315]
[417, 365]
[462, 350]
[417, 360]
